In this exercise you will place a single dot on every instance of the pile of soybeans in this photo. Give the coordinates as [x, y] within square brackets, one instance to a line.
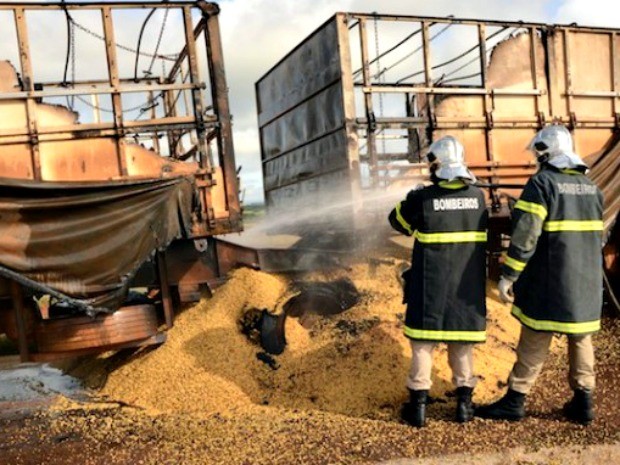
[210, 395]
[354, 363]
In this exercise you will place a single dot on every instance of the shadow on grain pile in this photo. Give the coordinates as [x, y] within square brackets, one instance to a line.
[352, 363]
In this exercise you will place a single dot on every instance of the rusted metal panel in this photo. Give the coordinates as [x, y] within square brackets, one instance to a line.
[305, 71]
[305, 147]
[308, 161]
[309, 121]
[191, 263]
[329, 189]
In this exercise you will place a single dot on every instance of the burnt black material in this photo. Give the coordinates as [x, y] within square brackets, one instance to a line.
[323, 298]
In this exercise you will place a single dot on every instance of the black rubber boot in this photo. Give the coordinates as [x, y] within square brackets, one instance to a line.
[510, 407]
[414, 411]
[581, 407]
[464, 405]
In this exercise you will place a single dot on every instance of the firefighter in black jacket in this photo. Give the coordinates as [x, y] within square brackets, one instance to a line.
[445, 288]
[555, 262]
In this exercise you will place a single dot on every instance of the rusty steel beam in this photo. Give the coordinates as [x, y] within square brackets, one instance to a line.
[70, 132]
[428, 81]
[538, 101]
[17, 298]
[568, 79]
[391, 88]
[473, 22]
[221, 106]
[164, 285]
[194, 76]
[28, 80]
[473, 166]
[155, 135]
[487, 101]
[615, 76]
[94, 6]
[198, 109]
[480, 123]
[62, 92]
[117, 107]
[348, 103]
[371, 146]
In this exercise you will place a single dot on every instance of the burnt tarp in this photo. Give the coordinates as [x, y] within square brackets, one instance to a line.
[87, 240]
[605, 172]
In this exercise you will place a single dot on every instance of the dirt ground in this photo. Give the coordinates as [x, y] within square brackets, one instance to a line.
[331, 398]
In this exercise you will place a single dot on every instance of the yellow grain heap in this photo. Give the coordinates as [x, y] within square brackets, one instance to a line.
[354, 363]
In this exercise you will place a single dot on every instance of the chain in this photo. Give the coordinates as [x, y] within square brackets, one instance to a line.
[72, 60]
[123, 47]
[161, 34]
[149, 102]
[144, 106]
[376, 24]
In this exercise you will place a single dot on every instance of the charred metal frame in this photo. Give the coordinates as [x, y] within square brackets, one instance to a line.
[490, 170]
[216, 124]
[364, 126]
[182, 265]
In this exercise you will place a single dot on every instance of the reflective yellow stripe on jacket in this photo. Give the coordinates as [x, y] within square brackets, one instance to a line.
[556, 326]
[573, 225]
[451, 237]
[401, 220]
[513, 263]
[455, 184]
[531, 207]
[433, 335]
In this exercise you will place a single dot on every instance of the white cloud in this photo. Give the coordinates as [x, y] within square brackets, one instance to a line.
[589, 13]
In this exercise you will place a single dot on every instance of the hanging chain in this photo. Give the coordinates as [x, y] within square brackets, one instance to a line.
[123, 47]
[161, 34]
[72, 28]
[381, 77]
[144, 106]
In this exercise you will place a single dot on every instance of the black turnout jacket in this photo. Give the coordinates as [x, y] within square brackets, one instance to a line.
[555, 253]
[445, 289]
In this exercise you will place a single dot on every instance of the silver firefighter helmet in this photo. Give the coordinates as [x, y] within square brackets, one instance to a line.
[448, 157]
[554, 144]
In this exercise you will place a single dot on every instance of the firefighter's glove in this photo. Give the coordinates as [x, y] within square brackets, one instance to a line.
[505, 290]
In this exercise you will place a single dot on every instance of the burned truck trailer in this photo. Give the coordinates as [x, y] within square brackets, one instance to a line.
[346, 116]
[117, 168]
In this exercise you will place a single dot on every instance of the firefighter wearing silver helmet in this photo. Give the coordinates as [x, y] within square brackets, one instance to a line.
[554, 262]
[447, 159]
[445, 287]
